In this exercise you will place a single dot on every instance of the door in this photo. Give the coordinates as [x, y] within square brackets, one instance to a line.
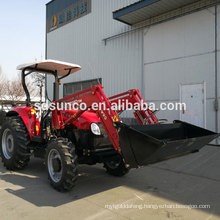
[193, 95]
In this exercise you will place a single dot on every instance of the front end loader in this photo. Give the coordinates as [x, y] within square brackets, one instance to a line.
[68, 137]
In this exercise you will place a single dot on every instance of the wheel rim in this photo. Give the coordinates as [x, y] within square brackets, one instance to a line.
[55, 167]
[7, 144]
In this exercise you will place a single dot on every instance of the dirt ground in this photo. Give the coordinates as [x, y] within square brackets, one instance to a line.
[167, 190]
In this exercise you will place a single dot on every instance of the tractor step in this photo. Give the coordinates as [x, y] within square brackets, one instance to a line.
[146, 144]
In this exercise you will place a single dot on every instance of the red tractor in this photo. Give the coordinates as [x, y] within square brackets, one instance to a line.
[68, 137]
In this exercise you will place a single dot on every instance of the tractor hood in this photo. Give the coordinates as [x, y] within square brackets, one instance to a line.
[84, 121]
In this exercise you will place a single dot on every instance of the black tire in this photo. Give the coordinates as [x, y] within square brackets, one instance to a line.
[62, 170]
[116, 167]
[14, 143]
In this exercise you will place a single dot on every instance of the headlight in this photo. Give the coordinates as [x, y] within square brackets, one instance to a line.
[95, 129]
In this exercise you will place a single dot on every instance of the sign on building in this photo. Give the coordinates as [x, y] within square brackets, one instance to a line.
[72, 13]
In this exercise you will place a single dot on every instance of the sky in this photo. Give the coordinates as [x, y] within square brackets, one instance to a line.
[22, 33]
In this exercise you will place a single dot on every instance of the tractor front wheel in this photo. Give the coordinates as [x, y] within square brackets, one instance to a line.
[116, 167]
[61, 163]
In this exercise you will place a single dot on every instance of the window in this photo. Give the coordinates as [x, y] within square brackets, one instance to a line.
[71, 88]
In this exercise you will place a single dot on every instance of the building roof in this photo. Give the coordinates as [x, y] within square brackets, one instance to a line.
[146, 9]
[49, 2]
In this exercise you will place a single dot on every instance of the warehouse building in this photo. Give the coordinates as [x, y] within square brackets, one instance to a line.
[168, 49]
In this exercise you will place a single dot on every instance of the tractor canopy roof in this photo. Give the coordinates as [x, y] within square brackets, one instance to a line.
[51, 66]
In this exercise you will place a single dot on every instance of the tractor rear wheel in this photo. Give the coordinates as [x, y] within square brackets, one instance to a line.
[14, 143]
[116, 167]
[61, 163]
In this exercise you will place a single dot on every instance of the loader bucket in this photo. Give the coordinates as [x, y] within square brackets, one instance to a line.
[146, 144]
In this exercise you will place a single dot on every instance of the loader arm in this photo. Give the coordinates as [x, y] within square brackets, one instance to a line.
[133, 97]
[90, 96]
[142, 144]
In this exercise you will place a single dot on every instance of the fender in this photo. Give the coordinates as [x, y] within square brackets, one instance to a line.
[28, 116]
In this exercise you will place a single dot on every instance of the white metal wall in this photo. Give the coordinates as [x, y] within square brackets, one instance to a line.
[181, 51]
[176, 52]
[118, 63]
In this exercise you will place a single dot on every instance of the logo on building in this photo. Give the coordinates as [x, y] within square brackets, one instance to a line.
[75, 11]
[54, 21]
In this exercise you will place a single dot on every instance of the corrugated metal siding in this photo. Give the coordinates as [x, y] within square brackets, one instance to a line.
[181, 51]
[218, 66]
[177, 51]
[118, 63]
